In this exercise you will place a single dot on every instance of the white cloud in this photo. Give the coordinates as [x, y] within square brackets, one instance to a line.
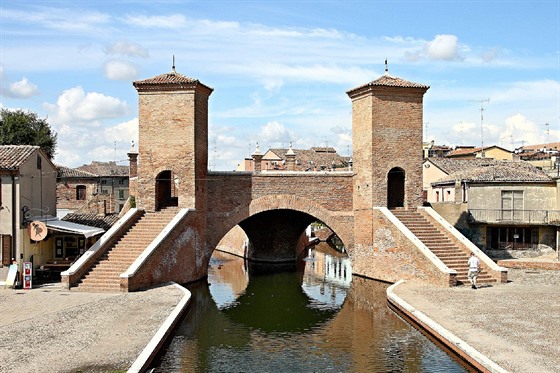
[62, 19]
[120, 70]
[74, 105]
[491, 55]
[171, 21]
[275, 134]
[123, 132]
[22, 89]
[443, 47]
[440, 48]
[127, 48]
[520, 131]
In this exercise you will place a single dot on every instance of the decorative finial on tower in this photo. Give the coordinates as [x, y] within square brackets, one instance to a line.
[132, 146]
[257, 150]
[386, 68]
[173, 67]
[290, 150]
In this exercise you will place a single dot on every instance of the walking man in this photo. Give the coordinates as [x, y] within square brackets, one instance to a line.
[474, 265]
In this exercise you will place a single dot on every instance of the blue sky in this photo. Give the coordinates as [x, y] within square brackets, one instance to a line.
[280, 69]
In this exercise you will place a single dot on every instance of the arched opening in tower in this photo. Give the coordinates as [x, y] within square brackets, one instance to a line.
[165, 190]
[395, 188]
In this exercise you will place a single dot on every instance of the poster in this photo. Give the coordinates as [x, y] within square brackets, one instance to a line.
[27, 275]
[12, 273]
[27, 282]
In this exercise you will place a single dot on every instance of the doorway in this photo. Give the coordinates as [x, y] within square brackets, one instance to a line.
[395, 188]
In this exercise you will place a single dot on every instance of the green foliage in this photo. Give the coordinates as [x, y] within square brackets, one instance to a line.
[18, 127]
[132, 202]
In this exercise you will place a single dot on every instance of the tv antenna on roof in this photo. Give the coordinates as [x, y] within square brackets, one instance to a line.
[481, 124]
[173, 66]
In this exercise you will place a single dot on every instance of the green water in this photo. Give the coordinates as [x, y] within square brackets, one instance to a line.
[313, 317]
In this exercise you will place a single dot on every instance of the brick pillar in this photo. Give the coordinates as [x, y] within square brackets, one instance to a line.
[290, 159]
[257, 158]
[132, 162]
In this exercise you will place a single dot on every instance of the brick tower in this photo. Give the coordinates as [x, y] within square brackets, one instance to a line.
[387, 148]
[173, 142]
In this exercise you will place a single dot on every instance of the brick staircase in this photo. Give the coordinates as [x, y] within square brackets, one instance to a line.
[440, 244]
[103, 276]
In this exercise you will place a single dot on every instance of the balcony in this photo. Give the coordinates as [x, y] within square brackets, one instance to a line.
[515, 217]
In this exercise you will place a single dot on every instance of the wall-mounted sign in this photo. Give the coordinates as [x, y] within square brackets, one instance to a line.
[37, 230]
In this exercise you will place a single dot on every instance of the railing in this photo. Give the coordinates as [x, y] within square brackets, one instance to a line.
[516, 217]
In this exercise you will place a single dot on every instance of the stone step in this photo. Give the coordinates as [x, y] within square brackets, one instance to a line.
[104, 275]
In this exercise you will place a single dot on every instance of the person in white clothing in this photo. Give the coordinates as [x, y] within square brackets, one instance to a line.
[474, 270]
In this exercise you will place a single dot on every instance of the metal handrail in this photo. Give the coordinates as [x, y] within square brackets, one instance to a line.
[514, 216]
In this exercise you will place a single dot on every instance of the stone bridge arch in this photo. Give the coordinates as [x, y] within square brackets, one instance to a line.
[340, 223]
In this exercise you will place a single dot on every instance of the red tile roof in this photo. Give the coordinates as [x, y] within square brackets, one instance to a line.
[390, 81]
[13, 156]
[171, 80]
[488, 170]
[67, 172]
[105, 169]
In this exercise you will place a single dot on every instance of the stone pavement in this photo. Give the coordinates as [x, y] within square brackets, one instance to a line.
[516, 325]
[55, 330]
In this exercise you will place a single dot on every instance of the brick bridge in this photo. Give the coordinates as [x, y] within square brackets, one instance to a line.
[183, 210]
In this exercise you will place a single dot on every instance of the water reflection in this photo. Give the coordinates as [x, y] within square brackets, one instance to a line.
[313, 318]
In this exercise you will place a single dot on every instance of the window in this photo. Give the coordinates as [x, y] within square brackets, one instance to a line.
[103, 182]
[512, 204]
[121, 193]
[80, 192]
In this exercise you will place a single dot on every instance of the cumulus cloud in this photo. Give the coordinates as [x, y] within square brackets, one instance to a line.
[520, 131]
[125, 131]
[74, 105]
[22, 89]
[99, 144]
[443, 47]
[126, 48]
[120, 70]
[275, 134]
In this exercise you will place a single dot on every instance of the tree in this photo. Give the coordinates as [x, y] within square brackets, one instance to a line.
[18, 127]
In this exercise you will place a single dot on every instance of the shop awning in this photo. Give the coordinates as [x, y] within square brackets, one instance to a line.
[68, 227]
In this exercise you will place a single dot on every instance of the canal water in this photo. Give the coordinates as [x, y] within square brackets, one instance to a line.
[310, 317]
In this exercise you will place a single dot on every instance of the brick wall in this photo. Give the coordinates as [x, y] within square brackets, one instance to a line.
[66, 193]
[173, 135]
[234, 197]
[391, 256]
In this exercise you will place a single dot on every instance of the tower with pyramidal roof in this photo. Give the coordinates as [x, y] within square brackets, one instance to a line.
[387, 147]
[173, 142]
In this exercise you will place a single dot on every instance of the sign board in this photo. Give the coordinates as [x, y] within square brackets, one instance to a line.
[12, 273]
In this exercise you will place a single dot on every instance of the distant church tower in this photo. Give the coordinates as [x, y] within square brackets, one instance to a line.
[173, 142]
[387, 143]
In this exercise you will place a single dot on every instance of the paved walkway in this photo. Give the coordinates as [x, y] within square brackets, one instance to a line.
[516, 325]
[49, 329]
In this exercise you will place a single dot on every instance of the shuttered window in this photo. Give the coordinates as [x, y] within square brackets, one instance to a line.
[512, 205]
